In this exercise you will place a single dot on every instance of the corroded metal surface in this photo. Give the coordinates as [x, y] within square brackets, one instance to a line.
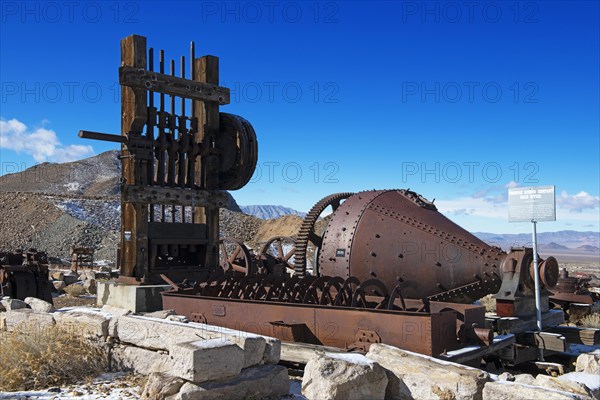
[25, 274]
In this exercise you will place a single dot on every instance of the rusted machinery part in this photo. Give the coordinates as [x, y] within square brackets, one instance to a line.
[275, 248]
[238, 151]
[549, 272]
[397, 236]
[25, 274]
[234, 255]
[307, 235]
[321, 290]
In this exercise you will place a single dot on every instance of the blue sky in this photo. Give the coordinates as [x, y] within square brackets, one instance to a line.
[455, 100]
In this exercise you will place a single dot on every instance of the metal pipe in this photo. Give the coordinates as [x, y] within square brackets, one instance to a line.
[536, 278]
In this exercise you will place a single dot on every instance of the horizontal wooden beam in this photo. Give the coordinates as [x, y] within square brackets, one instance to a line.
[172, 85]
[471, 352]
[173, 196]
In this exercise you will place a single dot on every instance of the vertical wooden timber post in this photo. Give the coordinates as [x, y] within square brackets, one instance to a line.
[206, 69]
[134, 217]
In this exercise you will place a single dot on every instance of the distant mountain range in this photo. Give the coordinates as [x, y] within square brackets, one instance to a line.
[562, 240]
[99, 177]
[270, 212]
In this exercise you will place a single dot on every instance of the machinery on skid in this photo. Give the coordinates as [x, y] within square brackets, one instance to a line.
[24, 274]
[387, 266]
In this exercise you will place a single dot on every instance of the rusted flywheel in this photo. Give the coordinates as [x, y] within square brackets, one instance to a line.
[238, 151]
[235, 256]
[307, 235]
[282, 248]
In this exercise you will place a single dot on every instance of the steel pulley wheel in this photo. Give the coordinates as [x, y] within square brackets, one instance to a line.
[234, 255]
[282, 248]
[308, 240]
[238, 151]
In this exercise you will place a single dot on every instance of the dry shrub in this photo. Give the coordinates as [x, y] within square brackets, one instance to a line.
[48, 357]
[590, 321]
[74, 290]
[489, 302]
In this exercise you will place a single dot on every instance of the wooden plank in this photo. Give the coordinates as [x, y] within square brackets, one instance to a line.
[172, 85]
[550, 318]
[471, 352]
[302, 352]
[134, 218]
[577, 335]
[174, 196]
[546, 340]
[206, 69]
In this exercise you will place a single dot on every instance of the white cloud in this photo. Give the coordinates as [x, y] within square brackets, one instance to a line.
[42, 144]
[578, 202]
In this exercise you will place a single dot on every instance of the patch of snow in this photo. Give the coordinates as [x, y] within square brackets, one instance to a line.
[353, 358]
[72, 186]
[590, 380]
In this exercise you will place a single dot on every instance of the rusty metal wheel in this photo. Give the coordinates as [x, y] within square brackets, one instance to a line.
[282, 248]
[234, 255]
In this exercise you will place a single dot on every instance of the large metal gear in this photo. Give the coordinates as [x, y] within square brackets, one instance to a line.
[306, 234]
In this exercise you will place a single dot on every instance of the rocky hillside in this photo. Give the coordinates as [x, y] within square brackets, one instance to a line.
[270, 212]
[94, 176]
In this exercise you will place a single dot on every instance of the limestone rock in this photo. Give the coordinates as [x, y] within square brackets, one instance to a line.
[25, 320]
[115, 313]
[506, 376]
[90, 286]
[252, 383]
[39, 305]
[90, 324]
[412, 375]
[518, 391]
[59, 285]
[589, 363]
[140, 361]
[206, 360]
[591, 381]
[13, 304]
[155, 334]
[562, 385]
[525, 379]
[161, 385]
[161, 314]
[343, 376]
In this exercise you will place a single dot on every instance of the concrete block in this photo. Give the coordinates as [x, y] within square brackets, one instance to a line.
[135, 298]
[206, 360]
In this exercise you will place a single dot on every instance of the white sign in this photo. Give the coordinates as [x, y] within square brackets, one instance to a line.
[526, 204]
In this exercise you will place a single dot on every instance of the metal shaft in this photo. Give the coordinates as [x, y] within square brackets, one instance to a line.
[536, 277]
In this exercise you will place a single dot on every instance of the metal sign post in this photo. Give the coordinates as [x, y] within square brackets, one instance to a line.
[533, 204]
